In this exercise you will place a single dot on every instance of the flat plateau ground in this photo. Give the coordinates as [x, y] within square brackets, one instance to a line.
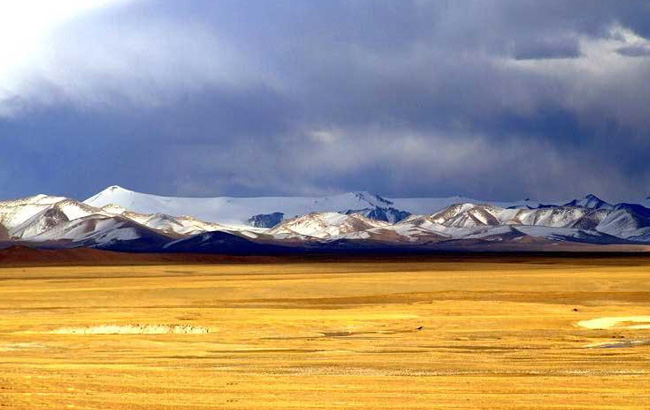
[494, 333]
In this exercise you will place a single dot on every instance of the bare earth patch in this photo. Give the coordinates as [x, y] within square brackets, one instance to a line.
[136, 329]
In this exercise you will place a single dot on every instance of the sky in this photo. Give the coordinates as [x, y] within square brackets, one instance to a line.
[490, 99]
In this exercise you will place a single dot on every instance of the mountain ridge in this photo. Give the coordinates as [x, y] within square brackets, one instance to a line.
[124, 220]
[237, 211]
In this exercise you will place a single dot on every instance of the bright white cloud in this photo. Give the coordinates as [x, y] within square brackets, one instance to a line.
[94, 62]
[24, 24]
[25, 28]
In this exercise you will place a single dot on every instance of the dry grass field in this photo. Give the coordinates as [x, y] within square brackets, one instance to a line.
[512, 333]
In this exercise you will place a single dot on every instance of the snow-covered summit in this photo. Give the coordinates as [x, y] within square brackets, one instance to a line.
[590, 201]
[325, 225]
[239, 211]
[16, 212]
[235, 211]
[46, 218]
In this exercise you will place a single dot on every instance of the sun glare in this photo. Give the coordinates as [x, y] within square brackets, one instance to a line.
[25, 25]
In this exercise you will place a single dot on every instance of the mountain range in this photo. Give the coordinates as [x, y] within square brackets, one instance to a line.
[123, 220]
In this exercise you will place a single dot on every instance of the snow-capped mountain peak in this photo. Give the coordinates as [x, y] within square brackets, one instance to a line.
[325, 225]
[590, 201]
[16, 212]
[120, 219]
[373, 199]
[114, 191]
[240, 211]
[116, 188]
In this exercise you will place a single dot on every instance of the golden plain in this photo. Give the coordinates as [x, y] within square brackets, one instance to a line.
[481, 333]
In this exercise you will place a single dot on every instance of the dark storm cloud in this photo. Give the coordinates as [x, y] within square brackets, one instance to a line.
[491, 99]
[634, 51]
[548, 48]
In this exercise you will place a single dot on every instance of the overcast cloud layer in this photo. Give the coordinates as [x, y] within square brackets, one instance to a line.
[485, 98]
